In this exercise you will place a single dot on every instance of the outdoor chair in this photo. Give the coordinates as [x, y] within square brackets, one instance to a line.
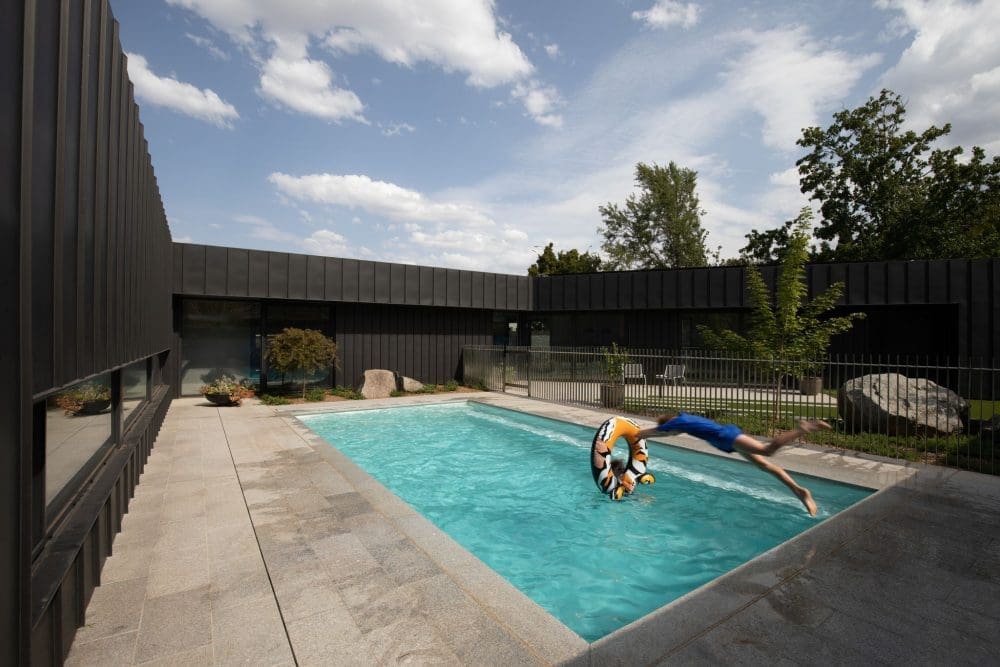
[633, 372]
[672, 373]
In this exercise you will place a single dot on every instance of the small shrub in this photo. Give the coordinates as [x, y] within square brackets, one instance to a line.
[315, 394]
[271, 399]
[348, 393]
[451, 385]
[397, 392]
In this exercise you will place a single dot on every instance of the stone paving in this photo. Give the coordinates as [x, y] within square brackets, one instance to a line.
[250, 541]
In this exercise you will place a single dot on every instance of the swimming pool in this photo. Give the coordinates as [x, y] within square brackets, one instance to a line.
[516, 491]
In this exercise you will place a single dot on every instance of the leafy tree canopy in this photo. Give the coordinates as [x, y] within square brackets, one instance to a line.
[300, 351]
[884, 194]
[550, 263]
[658, 228]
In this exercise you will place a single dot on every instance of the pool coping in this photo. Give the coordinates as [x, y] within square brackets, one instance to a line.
[678, 623]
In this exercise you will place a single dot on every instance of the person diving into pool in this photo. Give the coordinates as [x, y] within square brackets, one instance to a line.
[729, 438]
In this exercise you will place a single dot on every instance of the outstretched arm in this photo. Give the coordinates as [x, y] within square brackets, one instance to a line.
[653, 432]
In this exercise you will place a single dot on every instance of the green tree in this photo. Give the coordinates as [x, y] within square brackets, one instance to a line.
[302, 351]
[549, 263]
[884, 194]
[788, 333]
[765, 247]
[660, 228]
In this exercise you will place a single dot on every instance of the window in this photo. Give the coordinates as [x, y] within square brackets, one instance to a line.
[218, 338]
[77, 431]
[135, 388]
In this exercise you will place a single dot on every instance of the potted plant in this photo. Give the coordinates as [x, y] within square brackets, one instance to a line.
[612, 390]
[89, 398]
[227, 390]
[811, 377]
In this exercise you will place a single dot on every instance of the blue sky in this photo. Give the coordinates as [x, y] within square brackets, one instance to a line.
[469, 134]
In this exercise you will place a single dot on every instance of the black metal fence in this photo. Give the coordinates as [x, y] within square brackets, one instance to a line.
[924, 409]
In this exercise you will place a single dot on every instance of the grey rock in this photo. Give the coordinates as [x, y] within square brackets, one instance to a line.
[898, 405]
[378, 383]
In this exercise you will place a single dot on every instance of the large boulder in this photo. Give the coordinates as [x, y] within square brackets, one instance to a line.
[378, 383]
[409, 384]
[895, 404]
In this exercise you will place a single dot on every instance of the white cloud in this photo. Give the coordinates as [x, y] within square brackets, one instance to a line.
[788, 77]
[306, 86]
[552, 50]
[179, 96]
[326, 242]
[950, 72]
[396, 129]
[457, 37]
[539, 102]
[208, 45]
[665, 13]
[378, 197]
[265, 230]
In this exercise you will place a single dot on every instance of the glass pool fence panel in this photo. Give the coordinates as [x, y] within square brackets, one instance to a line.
[925, 409]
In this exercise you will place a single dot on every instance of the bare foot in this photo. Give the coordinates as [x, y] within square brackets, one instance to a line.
[807, 500]
[810, 425]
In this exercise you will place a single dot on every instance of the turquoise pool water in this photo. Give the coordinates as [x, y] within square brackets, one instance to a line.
[516, 491]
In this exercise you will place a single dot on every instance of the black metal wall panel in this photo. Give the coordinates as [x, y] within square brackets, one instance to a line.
[383, 282]
[440, 286]
[685, 289]
[194, 269]
[543, 293]
[298, 278]
[15, 331]
[397, 283]
[258, 278]
[465, 289]
[895, 286]
[411, 290]
[349, 286]
[980, 309]
[838, 274]
[453, 288]
[315, 277]
[334, 279]
[938, 290]
[916, 282]
[366, 282]
[216, 271]
[478, 290]
[426, 282]
[237, 272]
[876, 293]
[277, 275]
[857, 283]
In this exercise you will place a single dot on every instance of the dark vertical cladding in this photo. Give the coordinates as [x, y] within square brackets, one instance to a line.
[16, 59]
[87, 281]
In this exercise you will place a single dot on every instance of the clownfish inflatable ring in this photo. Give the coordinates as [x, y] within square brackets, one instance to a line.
[600, 458]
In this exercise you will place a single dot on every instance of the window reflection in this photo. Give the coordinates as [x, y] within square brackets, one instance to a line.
[134, 388]
[218, 338]
[78, 427]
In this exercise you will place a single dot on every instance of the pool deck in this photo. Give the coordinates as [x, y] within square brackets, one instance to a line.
[251, 541]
